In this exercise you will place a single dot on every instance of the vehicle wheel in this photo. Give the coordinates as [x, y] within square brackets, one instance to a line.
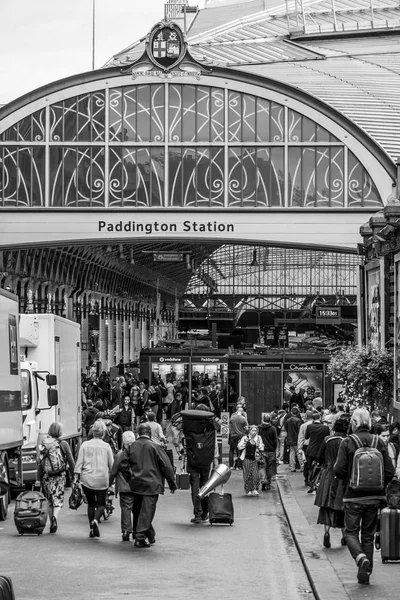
[4, 500]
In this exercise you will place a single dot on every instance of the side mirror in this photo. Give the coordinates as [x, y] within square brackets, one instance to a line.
[51, 380]
[52, 396]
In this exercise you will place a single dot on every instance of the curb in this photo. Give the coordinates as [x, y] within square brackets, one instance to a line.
[323, 579]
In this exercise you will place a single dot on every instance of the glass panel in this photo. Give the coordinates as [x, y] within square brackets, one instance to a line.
[69, 120]
[255, 177]
[196, 176]
[270, 177]
[77, 176]
[22, 176]
[188, 119]
[116, 109]
[91, 116]
[316, 176]
[235, 116]
[362, 190]
[56, 122]
[143, 113]
[249, 118]
[217, 115]
[263, 120]
[277, 122]
[10, 134]
[136, 177]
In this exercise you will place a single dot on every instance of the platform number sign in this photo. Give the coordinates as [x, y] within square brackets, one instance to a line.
[166, 46]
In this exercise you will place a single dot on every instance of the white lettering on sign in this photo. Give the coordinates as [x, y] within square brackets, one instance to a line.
[303, 367]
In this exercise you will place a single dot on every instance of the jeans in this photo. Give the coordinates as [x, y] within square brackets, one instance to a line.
[266, 469]
[127, 504]
[292, 457]
[197, 480]
[362, 517]
[96, 501]
[281, 439]
[145, 509]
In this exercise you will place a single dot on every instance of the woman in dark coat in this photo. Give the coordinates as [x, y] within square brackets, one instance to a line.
[329, 495]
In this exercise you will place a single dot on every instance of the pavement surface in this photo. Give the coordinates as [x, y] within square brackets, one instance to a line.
[256, 558]
[332, 571]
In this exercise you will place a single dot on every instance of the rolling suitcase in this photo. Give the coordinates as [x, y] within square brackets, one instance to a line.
[31, 511]
[220, 508]
[6, 588]
[390, 534]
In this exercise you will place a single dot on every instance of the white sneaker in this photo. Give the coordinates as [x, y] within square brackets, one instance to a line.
[249, 493]
[255, 493]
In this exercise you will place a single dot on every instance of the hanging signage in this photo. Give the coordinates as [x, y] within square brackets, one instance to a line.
[261, 367]
[328, 314]
[276, 335]
[168, 256]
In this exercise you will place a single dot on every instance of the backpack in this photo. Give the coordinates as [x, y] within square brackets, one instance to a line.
[51, 457]
[367, 473]
[199, 433]
[164, 391]
[200, 448]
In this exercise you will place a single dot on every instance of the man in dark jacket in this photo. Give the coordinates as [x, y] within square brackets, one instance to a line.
[145, 466]
[316, 432]
[360, 507]
[269, 437]
[292, 426]
[89, 415]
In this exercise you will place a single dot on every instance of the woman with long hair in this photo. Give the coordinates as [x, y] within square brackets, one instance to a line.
[251, 446]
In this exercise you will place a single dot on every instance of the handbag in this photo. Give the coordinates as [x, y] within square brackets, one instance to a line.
[76, 497]
[315, 475]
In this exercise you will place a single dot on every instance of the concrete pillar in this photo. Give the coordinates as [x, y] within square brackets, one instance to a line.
[103, 343]
[118, 338]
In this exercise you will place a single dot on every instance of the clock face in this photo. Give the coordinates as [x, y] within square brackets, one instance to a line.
[166, 46]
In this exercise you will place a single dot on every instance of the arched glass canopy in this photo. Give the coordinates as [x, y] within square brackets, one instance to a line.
[172, 145]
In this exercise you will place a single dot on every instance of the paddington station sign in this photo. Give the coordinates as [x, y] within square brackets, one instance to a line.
[328, 229]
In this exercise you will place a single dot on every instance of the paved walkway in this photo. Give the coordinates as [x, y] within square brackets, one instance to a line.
[332, 571]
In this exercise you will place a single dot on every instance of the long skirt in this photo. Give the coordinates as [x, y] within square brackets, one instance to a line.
[53, 488]
[251, 476]
[331, 517]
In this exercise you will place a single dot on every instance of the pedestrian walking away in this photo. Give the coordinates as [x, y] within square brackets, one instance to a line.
[144, 466]
[95, 461]
[123, 490]
[55, 458]
[361, 499]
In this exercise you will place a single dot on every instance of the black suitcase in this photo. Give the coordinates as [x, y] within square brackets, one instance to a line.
[31, 511]
[182, 481]
[220, 508]
[390, 534]
[6, 588]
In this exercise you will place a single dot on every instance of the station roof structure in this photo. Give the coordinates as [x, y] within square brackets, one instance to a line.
[345, 53]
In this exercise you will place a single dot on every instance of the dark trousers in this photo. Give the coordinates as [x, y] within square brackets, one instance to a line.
[145, 509]
[309, 461]
[197, 480]
[96, 501]
[127, 504]
[233, 451]
[360, 518]
[267, 469]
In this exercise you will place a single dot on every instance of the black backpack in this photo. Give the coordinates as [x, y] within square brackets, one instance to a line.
[199, 432]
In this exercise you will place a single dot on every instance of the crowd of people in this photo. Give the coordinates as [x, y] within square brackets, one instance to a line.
[325, 445]
[127, 428]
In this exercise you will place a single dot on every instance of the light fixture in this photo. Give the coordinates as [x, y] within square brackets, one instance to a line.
[121, 251]
[254, 262]
[131, 259]
[109, 248]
